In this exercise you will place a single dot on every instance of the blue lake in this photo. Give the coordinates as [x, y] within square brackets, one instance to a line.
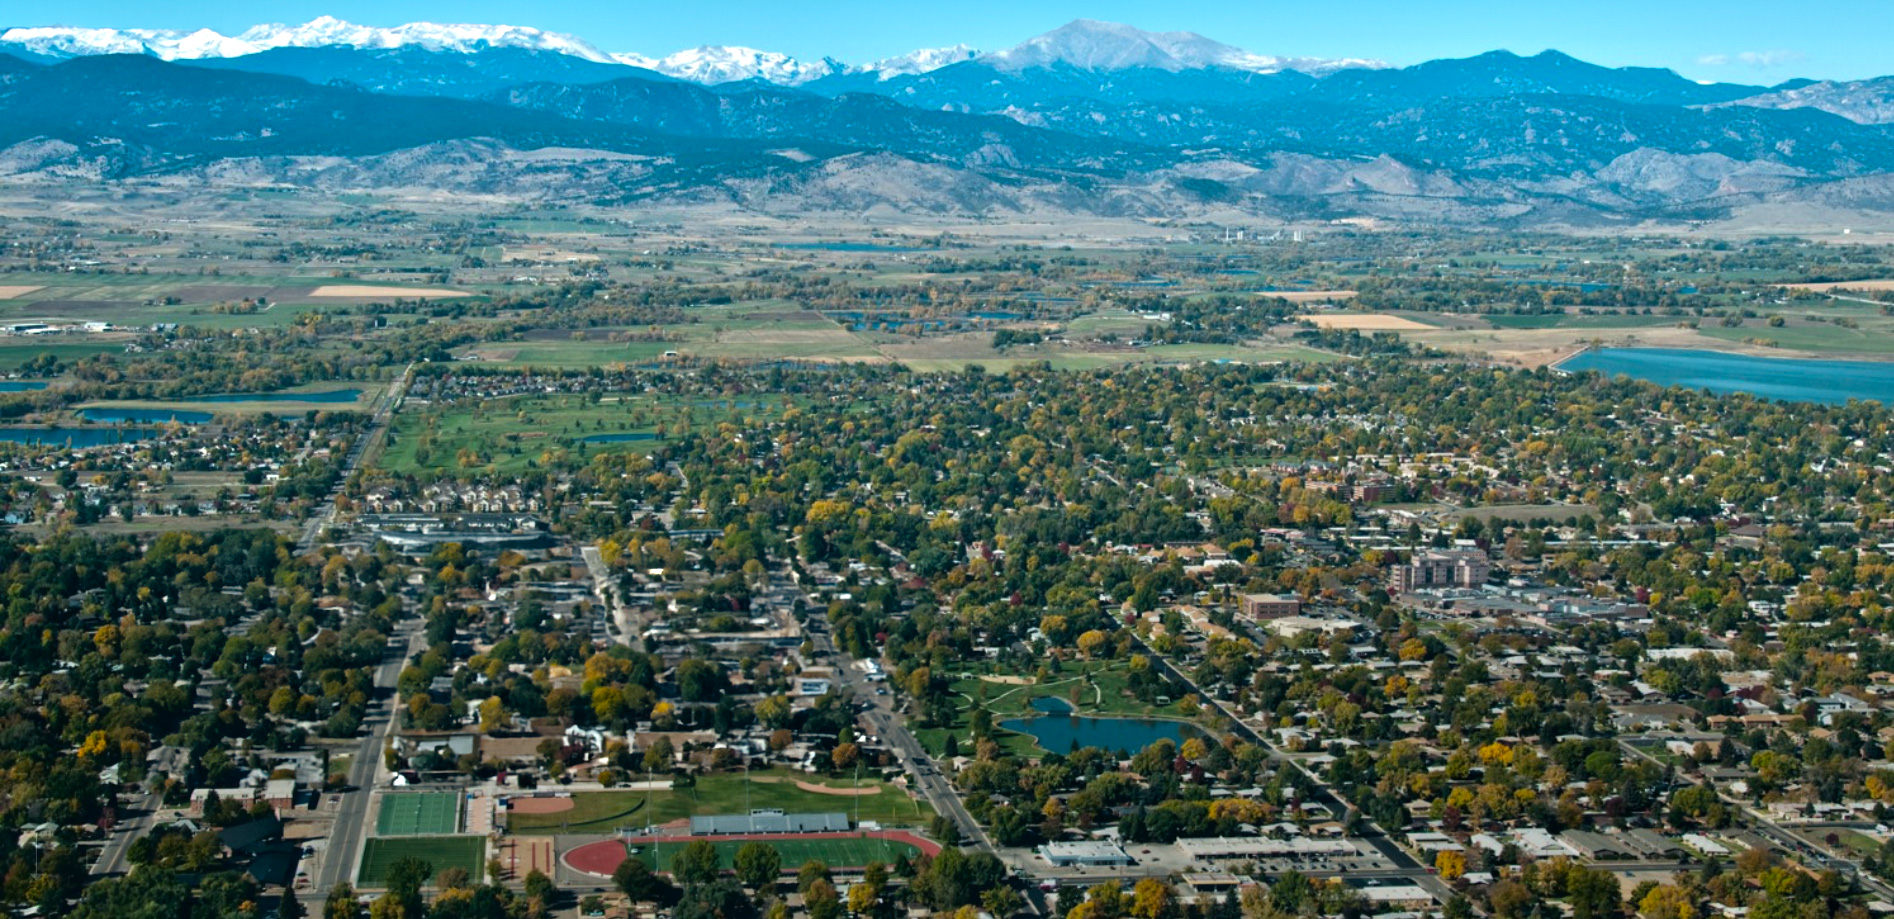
[21, 385]
[1788, 380]
[75, 437]
[143, 416]
[1059, 733]
[327, 397]
[627, 438]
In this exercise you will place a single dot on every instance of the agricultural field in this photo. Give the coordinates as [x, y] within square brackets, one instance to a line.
[601, 811]
[440, 852]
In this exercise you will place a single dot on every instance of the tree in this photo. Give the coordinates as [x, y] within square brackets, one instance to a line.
[1450, 864]
[844, 755]
[641, 884]
[661, 756]
[540, 887]
[1593, 894]
[1153, 899]
[822, 901]
[1667, 901]
[696, 863]
[342, 903]
[758, 866]
[811, 871]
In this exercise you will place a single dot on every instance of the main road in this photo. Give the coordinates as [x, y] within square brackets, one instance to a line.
[365, 446]
[350, 830]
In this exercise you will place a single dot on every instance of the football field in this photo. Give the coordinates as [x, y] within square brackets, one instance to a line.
[440, 852]
[422, 813]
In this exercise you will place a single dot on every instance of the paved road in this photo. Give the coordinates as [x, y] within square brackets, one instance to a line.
[338, 858]
[1316, 789]
[1818, 855]
[112, 860]
[369, 443]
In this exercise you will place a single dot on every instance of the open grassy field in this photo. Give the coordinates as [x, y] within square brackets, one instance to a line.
[440, 852]
[1579, 321]
[514, 433]
[600, 811]
[15, 352]
[420, 813]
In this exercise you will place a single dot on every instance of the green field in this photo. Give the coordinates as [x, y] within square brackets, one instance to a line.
[601, 811]
[1579, 321]
[442, 852]
[516, 433]
[418, 814]
[836, 853]
[1091, 688]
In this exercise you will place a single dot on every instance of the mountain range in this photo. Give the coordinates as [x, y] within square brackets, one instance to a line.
[1091, 117]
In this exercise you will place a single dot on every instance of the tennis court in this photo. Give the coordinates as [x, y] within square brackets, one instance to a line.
[440, 852]
[421, 813]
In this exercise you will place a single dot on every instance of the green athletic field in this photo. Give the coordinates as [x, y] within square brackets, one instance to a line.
[440, 852]
[838, 853]
[420, 813]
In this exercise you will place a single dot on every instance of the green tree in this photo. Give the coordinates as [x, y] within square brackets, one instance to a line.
[696, 863]
[758, 866]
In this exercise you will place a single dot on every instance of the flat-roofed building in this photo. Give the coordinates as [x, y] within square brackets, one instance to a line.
[1087, 854]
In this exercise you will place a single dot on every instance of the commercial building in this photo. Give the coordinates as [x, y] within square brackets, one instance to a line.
[1224, 848]
[1436, 569]
[1271, 606]
[1085, 854]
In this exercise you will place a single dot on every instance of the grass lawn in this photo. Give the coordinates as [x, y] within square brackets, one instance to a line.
[724, 794]
[442, 852]
[836, 853]
[15, 352]
[514, 434]
[1090, 688]
[418, 814]
[1818, 337]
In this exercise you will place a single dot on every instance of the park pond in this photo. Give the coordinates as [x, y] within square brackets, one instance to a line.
[1784, 379]
[625, 438]
[1060, 731]
[143, 416]
[21, 386]
[75, 438]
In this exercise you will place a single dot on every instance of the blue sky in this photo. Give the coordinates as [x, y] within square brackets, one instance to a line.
[1735, 40]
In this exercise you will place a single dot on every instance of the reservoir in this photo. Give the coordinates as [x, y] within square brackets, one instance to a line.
[324, 398]
[143, 416]
[74, 437]
[626, 438]
[1784, 379]
[21, 386]
[1060, 734]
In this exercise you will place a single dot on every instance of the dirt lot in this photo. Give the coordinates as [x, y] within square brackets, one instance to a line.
[1309, 296]
[359, 291]
[1366, 322]
[9, 292]
[1875, 284]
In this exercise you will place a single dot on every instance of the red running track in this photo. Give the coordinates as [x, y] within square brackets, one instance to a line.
[603, 857]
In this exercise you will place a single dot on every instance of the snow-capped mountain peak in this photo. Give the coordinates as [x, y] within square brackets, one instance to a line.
[323, 32]
[1087, 44]
[918, 62]
[713, 64]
